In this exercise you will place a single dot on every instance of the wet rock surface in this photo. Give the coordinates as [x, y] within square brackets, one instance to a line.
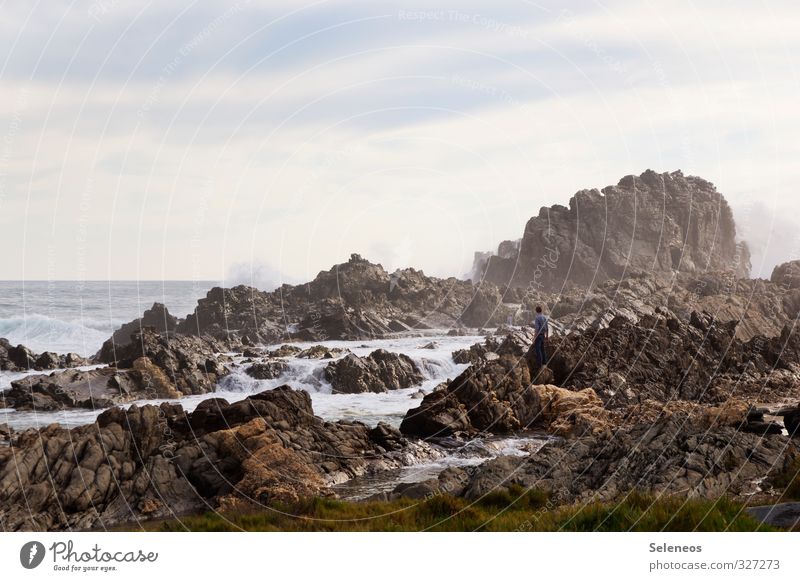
[379, 372]
[267, 369]
[192, 363]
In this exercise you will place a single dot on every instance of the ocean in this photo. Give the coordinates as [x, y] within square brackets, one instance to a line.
[77, 316]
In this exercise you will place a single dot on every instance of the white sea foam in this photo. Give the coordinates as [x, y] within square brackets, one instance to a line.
[436, 364]
[41, 333]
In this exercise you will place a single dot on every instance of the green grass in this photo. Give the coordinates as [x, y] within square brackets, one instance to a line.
[514, 510]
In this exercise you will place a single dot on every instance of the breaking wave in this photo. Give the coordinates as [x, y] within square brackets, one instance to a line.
[42, 333]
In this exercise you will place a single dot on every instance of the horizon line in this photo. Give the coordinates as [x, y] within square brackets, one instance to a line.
[109, 280]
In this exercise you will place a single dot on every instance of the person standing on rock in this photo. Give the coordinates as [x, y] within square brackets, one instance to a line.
[542, 329]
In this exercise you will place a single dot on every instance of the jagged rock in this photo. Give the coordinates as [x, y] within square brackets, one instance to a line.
[787, 275]
[654, 222]
[153, 462]
[664, 358]
[673, 455]
[566, 413]
[192, 363]
[353, 300]
[63, 389]
[93, 389]
[285, 351]
[490, 397]
[20, 358]
[157, 317]
[379, 372]
[267, 369]
[151, 366]
[322, 352]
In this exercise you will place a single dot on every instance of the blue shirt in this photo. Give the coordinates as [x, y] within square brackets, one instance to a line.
[540, 325]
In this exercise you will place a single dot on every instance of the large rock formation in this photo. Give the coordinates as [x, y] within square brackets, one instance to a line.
[652, 222]
[157, 462]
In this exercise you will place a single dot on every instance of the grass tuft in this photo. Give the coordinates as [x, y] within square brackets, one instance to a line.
[513, 509]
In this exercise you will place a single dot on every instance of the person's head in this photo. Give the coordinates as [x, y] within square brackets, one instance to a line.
[538, 309]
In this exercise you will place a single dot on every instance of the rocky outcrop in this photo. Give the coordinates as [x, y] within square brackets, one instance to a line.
[787, 275]
[20, 358]
[659, 359]
[758, 307]
[70, 389]
[663, 358]
[192, 363]
[378, 372]
[157, 462]
[652, 222]
[322, 352]
[267, 369]
[353, 300]
[238, 312]
[491, 397]
[156, 317]
[676, 454]
[151, 366]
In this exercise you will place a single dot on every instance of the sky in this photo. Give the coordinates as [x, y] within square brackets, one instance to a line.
[264, 141]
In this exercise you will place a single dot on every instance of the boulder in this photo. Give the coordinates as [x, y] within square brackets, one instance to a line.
[192, 363]
[267, 369]
[493, 397]
[156, 317]
[378, 372]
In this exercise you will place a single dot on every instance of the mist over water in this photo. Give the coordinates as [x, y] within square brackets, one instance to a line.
[771, 234]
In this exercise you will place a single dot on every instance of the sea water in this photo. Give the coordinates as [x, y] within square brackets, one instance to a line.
[77, 316]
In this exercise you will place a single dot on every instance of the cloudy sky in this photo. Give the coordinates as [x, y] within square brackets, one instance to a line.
[270, 139]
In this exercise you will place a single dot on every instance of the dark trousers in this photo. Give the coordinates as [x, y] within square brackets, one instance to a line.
[538, 347]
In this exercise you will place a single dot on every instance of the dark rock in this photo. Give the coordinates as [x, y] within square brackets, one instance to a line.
[379, 372]
[321, 352]
[267, 369]
[672, 455]
[791, 420]
[192, 363]
[285, 351]
[156, 317]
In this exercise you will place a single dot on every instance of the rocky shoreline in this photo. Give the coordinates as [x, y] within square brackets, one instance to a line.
[681, 379]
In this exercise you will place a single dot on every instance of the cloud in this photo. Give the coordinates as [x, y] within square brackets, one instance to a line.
[170, 141]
